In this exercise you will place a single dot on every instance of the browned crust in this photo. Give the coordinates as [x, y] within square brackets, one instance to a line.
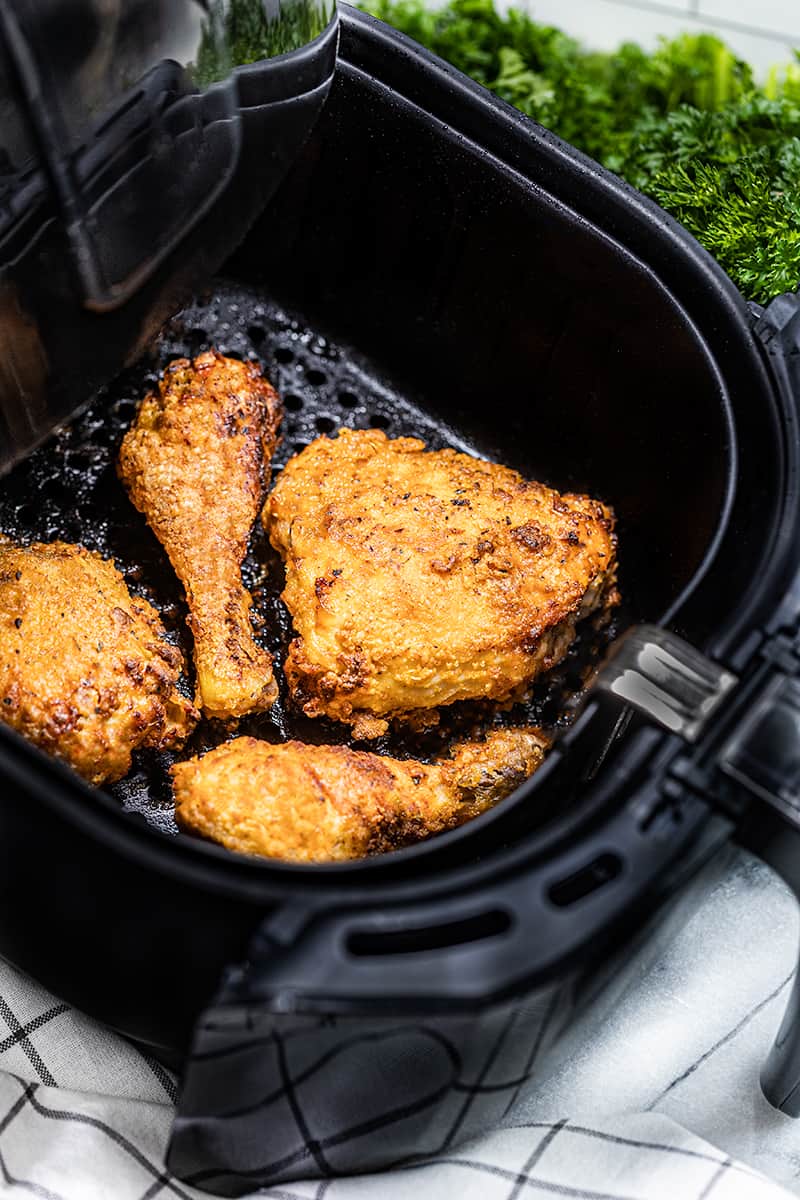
[195, 462]
[416, 579]
[308, 803]
[86, 672]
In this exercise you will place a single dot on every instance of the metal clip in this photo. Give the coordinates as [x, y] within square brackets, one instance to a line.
[665, 679]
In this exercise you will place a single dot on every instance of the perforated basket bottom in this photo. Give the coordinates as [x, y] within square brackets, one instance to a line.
[69, 490]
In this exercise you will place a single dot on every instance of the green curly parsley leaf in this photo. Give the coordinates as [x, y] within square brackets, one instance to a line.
[686, 124]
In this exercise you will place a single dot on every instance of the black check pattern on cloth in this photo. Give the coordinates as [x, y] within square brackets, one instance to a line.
[545, 1160]
[21, 1035]
[256, 1105]
[62, 1144]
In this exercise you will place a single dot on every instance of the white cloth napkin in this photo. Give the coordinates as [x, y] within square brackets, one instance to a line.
[84, 1116]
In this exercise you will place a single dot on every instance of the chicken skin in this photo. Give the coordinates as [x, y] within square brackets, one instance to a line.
[195, 463]
[330, 803]
[86, 671]
[419, 578]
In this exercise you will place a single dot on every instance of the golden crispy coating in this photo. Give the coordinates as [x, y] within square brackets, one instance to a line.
[330, 803]
[419, 578]
[194, 463]
[85, 669]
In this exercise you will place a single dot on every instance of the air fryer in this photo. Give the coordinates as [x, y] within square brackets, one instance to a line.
[436, 264]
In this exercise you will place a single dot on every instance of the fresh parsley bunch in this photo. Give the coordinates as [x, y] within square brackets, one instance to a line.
[686, 124]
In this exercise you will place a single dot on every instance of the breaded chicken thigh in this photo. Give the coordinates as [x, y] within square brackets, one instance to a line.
[418, 578]
[195, 463]
[330, 803]
[86, 671]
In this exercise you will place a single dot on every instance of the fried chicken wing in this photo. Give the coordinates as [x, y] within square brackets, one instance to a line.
[418, 578]
[86, 671]
[330, 803]
[194, 462]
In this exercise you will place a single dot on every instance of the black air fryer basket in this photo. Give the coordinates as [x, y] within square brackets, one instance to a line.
[436, 264]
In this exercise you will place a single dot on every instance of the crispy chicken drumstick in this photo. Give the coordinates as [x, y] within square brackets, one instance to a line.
[329, 803]
[194, 462]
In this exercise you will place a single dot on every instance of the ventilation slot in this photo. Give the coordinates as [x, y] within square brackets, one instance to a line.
[416, 941]
[590, 878]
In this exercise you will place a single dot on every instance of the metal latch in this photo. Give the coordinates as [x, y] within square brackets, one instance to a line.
[665, 679]
[672, 684]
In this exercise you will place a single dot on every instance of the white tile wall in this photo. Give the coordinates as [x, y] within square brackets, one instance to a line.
[762, 31]
[777, 15]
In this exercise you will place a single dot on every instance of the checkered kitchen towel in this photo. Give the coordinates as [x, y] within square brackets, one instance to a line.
[83, 1116]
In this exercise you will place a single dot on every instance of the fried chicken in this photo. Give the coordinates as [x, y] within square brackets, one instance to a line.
[419, 578]
[330, 803]
[86, 671]
[194, 462]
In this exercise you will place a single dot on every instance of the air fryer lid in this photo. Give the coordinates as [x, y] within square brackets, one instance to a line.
[134, 157]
